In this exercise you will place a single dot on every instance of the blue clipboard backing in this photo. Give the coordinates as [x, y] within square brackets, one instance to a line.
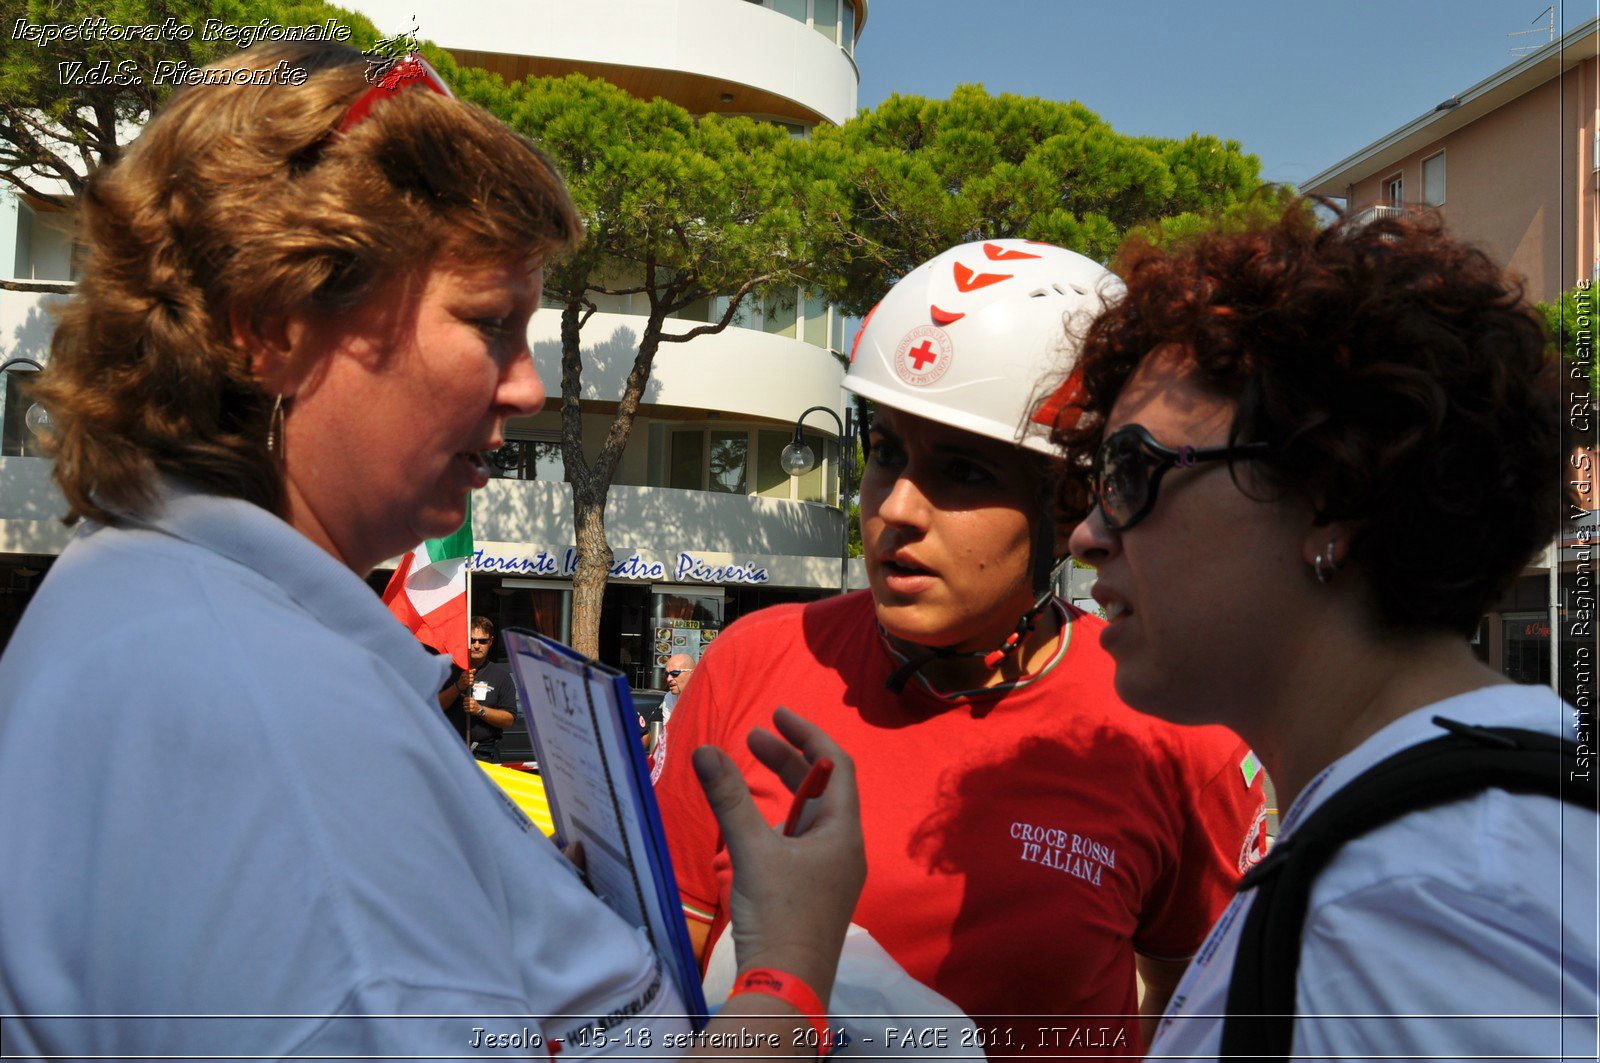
[629, 779]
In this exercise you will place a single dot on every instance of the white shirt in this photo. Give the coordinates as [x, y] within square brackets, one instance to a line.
[274, 821]
[1463, 931]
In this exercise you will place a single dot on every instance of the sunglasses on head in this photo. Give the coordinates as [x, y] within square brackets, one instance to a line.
[1129, 466]
[392, 79]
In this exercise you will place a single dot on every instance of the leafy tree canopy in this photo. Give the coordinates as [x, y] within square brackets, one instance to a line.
[676, 208]
[1571, 320]
[922, 175]
[72, 92]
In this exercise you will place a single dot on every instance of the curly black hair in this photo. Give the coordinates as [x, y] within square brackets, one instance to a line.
[1404, 384]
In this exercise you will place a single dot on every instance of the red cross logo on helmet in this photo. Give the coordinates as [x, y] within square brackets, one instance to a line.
[924, 356]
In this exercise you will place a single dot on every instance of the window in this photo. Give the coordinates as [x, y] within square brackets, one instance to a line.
[825, 18]
[1433, 180]
[544, 605]
[743, 317]
[686, 459]
[773, 482]
[683, 620]
[1394, 191]
[816, 320]
[729, 456]
[608, 304]
[699, 310]
[534, 456]
[834, 19]
[821, 483]
[778, 314]
[722, 460]
[44, 245]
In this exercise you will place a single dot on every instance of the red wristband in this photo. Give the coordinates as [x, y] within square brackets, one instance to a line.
[792, 991]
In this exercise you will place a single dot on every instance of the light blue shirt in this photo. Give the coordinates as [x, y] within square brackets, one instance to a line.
[1464, 931]
[261, 812]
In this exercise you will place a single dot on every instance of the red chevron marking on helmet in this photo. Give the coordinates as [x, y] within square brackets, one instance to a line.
[944, 317]
[1064, 406]
[967, 281]
[862, 331]
[996, 253]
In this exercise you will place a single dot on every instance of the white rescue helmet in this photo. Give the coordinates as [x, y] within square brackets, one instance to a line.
[966, 338]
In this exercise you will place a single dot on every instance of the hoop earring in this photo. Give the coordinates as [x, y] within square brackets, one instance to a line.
[275, 444]
[1324, 565]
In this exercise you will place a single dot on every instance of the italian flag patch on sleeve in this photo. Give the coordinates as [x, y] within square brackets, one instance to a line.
[1249, 767]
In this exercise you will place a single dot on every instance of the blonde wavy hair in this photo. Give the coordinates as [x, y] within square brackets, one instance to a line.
[236, 207]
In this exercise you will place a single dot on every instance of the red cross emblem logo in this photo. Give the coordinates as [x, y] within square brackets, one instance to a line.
[923, 356]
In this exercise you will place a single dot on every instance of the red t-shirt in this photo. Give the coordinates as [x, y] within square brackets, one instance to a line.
[1019, 847]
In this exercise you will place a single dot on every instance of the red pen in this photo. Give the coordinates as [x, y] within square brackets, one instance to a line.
[807, 801]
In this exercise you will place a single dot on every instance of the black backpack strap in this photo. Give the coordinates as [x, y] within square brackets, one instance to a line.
[1261, 994]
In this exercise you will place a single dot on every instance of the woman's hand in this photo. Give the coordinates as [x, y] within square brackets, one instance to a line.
[792, 897]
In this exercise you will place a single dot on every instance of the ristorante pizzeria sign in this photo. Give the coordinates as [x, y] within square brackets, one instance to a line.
[682, 567]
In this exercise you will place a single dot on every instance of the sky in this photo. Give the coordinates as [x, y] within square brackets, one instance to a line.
[1300, 84]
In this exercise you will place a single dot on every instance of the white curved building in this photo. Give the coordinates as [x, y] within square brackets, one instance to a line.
[703, 520]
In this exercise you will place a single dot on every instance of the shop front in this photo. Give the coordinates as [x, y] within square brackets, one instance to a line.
[1542, 630]
[657, 603]
[1525, 647]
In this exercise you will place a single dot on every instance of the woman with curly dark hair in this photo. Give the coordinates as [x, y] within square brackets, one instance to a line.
[1307, 459]
[302, 324]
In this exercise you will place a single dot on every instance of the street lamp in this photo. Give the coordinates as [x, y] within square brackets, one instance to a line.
[798, 459]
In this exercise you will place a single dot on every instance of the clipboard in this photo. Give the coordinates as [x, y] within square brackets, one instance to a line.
[585, 734]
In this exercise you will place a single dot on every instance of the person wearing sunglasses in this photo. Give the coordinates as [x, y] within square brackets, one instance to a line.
[1036, 847]
[488, 697]
[1311, 456]
[301, 324]
[680, 666]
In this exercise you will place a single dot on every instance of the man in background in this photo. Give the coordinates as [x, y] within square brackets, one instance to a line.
[679, 667]
[488, 701]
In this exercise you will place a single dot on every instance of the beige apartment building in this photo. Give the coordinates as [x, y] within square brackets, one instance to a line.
[1511, 164]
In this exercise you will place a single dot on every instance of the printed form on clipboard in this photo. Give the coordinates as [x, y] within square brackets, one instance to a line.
[585, 734]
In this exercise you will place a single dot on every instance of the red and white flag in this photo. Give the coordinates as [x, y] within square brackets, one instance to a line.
[428, 592]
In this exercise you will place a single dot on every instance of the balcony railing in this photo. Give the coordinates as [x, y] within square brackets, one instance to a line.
[1371, 214]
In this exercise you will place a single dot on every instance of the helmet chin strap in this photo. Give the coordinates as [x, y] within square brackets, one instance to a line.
[991, 658]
